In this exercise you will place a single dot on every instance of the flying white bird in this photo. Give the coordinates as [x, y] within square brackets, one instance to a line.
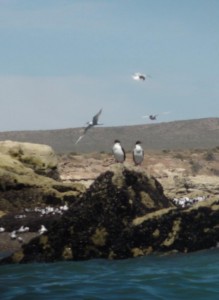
[140, 76]
[154, 117]
[118, 152]
[90, 124]
[138, 153]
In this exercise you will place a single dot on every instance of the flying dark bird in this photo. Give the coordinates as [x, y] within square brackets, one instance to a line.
[90, 124]
[138, 153]
[140, 76]
[118, 152]
[154, 117]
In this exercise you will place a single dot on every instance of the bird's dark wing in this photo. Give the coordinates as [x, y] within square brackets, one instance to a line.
[133, 156]
[124, 153]
[96, 117]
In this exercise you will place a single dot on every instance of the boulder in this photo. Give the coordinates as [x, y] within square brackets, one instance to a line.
[102, 223]
[41, 158]
[190, 186]
[21, 186]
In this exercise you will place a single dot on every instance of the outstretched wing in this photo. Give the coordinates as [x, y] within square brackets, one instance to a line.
[96, 117]
[78, 140]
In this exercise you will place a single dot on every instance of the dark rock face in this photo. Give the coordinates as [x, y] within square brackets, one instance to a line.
[100, 225]
[124, 214]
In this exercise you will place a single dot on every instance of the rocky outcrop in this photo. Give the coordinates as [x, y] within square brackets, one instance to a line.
[101, 223]
[124, 214]
[190, 186]
[22, 186]
[41, 158]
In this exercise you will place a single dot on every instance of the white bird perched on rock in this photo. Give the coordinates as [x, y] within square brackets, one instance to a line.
[64, 207]
[2, 229]
[13, 235]
[140, 76]
[23, 229]
[20, 239]
[42, 229]
[138, 153]
[118, 152]
[90, 124]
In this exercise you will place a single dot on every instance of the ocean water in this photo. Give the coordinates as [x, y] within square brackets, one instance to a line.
[178, 276]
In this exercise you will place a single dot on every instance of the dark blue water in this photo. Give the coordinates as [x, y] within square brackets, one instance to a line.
[180, 276]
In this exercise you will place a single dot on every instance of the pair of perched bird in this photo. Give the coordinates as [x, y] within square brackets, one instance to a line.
[120, 156]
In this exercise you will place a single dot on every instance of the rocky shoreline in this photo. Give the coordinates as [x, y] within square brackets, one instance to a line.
[110, 209]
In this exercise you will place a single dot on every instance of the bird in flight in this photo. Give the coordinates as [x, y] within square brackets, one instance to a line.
[90, 124]
[140, 76]
[154, 117]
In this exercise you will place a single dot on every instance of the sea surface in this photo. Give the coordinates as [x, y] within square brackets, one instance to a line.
[176, 276]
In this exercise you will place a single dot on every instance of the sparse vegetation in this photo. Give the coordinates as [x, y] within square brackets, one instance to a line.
[165, 151]
[215, 172]
[178, 156]
[195, 166]
[209, 156]
[74, 153]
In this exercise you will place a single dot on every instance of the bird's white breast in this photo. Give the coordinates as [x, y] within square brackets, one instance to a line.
[118, 152]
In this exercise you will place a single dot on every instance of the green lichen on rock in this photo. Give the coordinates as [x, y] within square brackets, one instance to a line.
[22, 186]
[172, 234]
[99, 237]
[41, 158]
[67, 253]
[17, 256]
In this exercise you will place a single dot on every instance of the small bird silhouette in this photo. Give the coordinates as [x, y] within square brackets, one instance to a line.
[90, 124]
[140, 76]
[154, 116]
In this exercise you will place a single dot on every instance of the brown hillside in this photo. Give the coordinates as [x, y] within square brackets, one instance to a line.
[187, 134]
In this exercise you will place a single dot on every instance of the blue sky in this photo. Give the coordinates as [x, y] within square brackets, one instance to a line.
[63, 60]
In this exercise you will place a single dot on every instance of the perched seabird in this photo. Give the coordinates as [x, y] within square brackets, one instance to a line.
[13, 235]
[42, 229]
[23, 229]
[90, 124]
[154, 117]
[140, 76]
[138, 153]
[20, 239]
[2, 229]
[118, 152]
